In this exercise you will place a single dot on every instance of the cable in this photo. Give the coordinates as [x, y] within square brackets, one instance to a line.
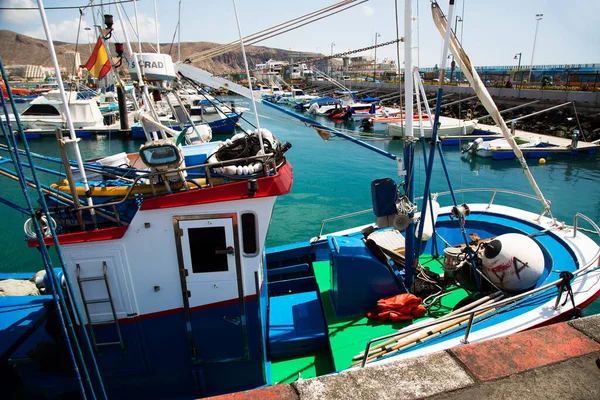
[67, 7]
[273, 28]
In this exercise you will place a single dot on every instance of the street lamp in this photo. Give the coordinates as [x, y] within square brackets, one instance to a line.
[518, 55]
[87, 28]
[538, 18]
[375, 62]
[331, 59]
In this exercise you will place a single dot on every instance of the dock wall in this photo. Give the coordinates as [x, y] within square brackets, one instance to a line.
[553, 362]
[590, 99]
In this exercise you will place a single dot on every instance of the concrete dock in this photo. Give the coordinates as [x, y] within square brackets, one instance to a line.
[554, 362]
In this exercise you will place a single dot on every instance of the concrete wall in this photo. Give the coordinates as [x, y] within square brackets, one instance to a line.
[553, 96]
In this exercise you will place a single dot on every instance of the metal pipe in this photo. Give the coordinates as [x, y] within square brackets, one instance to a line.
[542, 111]
[63, 96]
[509, 109]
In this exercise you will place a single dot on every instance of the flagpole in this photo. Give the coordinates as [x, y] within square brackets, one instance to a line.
[73, 138]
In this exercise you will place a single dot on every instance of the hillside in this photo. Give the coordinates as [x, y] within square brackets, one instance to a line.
[20, 49]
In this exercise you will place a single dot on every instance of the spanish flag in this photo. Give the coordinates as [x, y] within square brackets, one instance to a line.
[98, 64]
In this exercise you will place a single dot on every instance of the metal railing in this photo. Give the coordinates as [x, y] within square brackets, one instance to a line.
[589, 266]
[491, 201]
[267, 158]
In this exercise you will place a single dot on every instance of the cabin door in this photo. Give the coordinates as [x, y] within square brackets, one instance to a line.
[212, 288]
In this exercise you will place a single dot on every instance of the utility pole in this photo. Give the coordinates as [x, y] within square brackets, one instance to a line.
[538, 18]
[375, 62]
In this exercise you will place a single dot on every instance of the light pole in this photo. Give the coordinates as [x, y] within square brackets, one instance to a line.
[375, 62]
[87, 28]
[518, 55]
[453, 64]
[331, 60]
[538, 18]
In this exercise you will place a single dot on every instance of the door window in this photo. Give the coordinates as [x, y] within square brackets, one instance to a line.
[203, 242]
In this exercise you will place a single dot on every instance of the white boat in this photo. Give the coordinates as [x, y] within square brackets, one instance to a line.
[47, 113]
[447, 127]
[482, 148]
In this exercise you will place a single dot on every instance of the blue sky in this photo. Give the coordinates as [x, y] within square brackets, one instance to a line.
[494, 31]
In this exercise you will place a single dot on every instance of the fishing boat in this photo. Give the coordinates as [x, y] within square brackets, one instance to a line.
[166, 289]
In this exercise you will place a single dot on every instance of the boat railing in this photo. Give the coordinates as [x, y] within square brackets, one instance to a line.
[141, 179]
[589, 266]
[440, 194]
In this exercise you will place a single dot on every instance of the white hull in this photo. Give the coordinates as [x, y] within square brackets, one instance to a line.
[448, 127]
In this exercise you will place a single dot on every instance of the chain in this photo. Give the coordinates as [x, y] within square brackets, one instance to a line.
[325, 58]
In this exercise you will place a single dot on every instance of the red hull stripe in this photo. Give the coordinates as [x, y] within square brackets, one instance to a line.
[276, 185]
[84, 237]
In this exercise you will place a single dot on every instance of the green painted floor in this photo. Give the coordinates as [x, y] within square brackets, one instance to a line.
[348, 336]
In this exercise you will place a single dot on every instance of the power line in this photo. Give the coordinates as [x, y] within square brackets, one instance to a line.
[66, 7]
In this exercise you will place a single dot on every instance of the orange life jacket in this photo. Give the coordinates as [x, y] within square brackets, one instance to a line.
[402, 307]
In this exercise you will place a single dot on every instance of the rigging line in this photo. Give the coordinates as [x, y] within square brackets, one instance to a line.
[325, 58]
[135, 32]
[278, 27]
[173, 40]
[75, 66]
[260, 39]
[292, 21]
[65, 7]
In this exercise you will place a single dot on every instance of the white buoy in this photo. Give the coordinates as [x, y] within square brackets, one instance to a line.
[429, 222]
[514, 262]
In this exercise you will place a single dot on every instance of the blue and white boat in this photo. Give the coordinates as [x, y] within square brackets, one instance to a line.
[164, 289]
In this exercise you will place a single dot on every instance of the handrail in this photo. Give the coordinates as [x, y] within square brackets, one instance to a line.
[471, 313]
[494, 192]
[206, 166]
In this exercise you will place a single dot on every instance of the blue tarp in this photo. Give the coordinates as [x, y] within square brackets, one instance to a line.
[370, 100]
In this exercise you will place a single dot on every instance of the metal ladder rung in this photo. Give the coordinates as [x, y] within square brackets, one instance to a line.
[97, 301]
[97, 323]
[91, 278]
[109, 300]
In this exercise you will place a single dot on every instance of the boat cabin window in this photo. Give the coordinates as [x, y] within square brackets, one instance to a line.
[160, 155]
[249, 234]
[203, 243]
[41, 109]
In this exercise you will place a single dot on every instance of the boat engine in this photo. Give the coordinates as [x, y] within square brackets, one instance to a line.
[366, 124]
[513, 262]
[472, 147]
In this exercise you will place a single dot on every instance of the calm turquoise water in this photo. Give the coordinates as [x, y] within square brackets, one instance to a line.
[333, 178]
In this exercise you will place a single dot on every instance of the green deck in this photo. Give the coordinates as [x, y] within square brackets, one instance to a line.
[348, 336]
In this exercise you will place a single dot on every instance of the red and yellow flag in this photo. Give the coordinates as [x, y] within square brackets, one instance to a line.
[98, 64]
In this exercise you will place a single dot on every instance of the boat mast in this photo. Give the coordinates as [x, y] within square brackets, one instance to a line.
[409, 144]
[73, 138]
[179, 34]
[237, 20]
[156, 28]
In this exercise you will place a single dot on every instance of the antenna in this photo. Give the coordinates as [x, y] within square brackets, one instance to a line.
[237, 20]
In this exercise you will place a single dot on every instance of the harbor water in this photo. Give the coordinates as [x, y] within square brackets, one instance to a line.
[332, 178]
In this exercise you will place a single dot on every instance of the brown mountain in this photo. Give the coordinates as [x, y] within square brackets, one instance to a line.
[18, 49]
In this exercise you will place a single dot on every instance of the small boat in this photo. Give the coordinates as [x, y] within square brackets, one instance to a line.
[381, 123]
[487, 148]
[447, 127]
[46, 113]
